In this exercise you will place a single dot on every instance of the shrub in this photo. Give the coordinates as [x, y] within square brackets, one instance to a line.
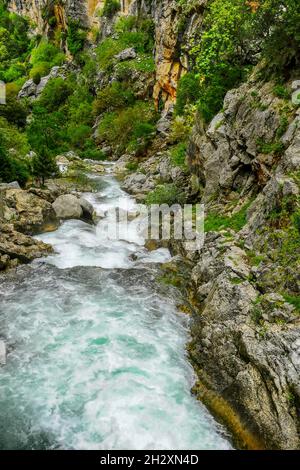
[11, 137]
[12, 169]
[54, 94]
[165, 194]
[188, 91]
[144, 64]
[281, 92]
[46, 53]
[14, 110]
[113, 96]
[275, 147]
[129, 128]
[106, 51]
[178, 154]
[46, 132]
[111, 7]
[296, 220]
[220, 55]
[77, 134]
[108, 48]
[93, 154]
[293, 299]
[125, 24]
[15, 71]
[36, 77]
[44, 166]
[14, 44]
[214, 222]
[41, 68]
[76, 37]
[132, 166]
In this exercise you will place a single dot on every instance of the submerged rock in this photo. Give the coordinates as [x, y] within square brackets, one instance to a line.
[87, 208]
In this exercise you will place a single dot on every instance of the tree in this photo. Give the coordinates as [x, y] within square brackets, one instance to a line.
[6, 167]
[43, 166]
[12, 169]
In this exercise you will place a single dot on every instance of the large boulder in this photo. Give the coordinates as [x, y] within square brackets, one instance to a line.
[12, 185]
[67, 206]
[27, 212]
[15, 247]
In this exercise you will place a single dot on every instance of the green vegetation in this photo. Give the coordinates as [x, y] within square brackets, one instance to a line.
[131, 127]
[215, 222]
[43, 165]
[12, 169]
[270, 147]
[281, 92]
[294, 300]
[111, 7]
[130, 34]
[15, 45]
[188, 92]
[165, 194]
[45, 56]
[76, 37]
[113, 96]
[178, 154]
[144, 64]
[132, 166]
[223, 54]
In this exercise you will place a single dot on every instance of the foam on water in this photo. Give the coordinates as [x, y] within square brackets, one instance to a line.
[96, 361]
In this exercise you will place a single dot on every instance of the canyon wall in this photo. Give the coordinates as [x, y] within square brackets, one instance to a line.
[174, 30]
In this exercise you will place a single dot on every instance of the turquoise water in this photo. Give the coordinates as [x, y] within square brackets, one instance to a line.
[97, 349]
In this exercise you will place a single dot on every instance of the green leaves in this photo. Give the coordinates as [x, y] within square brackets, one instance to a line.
[75, 37]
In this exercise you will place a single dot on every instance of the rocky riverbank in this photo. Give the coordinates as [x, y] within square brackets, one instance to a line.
[28, 212]
[243, 287]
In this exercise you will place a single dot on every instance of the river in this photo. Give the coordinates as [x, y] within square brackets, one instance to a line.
[96, 346]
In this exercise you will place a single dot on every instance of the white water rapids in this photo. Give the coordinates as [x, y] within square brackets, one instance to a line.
[96, 349]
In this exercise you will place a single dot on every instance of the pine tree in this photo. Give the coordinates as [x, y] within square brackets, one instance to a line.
[44, 166]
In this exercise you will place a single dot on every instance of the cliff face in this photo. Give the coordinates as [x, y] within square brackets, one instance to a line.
[36, 10]
[174, 29]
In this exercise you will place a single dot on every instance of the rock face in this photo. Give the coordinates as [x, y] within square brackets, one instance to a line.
[15, 247]
[83, 10]
[174, 29]
[246, 335]
[67, 207]
[28, 213]
[33, 91]
[156, 170]
[241, 142]
[246, 346]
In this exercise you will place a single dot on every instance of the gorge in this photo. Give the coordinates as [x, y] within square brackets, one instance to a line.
[158, 102]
